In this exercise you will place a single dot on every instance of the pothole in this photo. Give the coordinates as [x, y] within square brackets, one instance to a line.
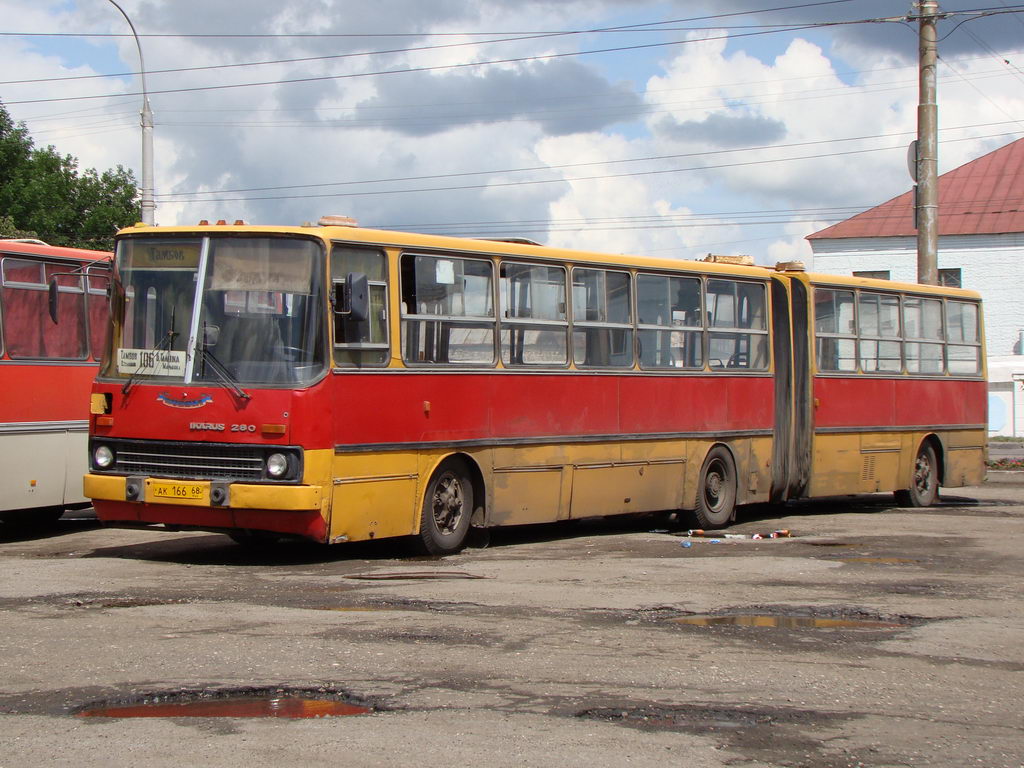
[699, 717]
[413, 575]
[784, 622]
[253, 702]
[796, 618]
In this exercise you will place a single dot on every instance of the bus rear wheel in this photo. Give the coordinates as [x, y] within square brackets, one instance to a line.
[924, 487]
[447, 509]
[716, 490]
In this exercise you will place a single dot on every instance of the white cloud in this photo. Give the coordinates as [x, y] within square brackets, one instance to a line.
[703, 97]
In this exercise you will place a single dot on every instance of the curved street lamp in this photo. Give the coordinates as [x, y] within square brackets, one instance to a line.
[146, 122]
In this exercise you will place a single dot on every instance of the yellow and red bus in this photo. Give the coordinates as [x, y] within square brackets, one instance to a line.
[46, 370]
[344, 384]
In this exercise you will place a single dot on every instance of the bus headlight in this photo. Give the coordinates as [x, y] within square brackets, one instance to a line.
[277, 465]
[103, 457]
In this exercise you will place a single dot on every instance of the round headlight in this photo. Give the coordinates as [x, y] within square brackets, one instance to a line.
[103, 456]
[277, 464]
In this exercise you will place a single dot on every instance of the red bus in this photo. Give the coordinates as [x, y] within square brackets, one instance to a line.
[344, 384]
[47, 370]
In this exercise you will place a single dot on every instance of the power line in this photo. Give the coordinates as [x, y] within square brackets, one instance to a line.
[442, 67]
[168, 196]
[640, 27]
[496, 185]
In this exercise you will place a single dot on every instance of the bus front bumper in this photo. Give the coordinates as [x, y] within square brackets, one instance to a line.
[202, 493]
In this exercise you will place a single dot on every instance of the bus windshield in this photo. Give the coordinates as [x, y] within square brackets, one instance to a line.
[240, 309]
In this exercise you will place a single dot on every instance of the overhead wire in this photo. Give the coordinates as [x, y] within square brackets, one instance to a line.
[177, 196]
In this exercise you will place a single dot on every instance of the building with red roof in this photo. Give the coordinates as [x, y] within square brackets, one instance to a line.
[981, 247]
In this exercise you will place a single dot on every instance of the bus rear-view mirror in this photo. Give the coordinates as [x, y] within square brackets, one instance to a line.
[355, 297]
[54, 298]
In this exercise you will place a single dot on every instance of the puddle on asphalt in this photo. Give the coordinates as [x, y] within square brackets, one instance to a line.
[349, 608]
[256, 704]
[402, 575]
[786, 622]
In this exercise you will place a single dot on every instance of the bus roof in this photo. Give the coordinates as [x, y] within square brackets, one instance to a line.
[39, 248]
[525, 249]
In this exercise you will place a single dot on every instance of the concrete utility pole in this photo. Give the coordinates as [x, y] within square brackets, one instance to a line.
[927, 198]
[146, 123]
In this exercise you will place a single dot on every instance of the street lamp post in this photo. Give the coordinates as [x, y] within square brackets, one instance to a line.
[146, 122]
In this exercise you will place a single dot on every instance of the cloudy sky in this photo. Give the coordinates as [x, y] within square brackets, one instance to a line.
[669, 128]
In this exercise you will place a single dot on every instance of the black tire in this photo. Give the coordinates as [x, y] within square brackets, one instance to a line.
[716, 490]
[924, 483]
[447, 510]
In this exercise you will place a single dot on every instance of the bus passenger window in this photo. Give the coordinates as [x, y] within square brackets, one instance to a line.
[922, 323]
[738, 325]
[602, 318]
[963, 351]
[835, 330]
[449, 316]
[533, 316]
[361, 343]
[879, 326]
[28, 330]
[98, 281]
[668, 318]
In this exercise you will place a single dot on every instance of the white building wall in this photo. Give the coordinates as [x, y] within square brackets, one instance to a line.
[993, 265]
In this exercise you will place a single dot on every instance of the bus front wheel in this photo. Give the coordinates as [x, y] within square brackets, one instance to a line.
[924, 487]
[716, 491]
[447, 509]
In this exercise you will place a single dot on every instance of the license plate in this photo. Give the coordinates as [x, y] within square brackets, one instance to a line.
[178, 491]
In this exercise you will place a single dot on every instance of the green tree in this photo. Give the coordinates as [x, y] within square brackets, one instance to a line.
[43, 194]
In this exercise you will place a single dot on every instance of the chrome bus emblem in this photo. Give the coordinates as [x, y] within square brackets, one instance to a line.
[198, 402]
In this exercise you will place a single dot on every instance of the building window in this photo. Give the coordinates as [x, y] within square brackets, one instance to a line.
[950, 278]
[874, 274]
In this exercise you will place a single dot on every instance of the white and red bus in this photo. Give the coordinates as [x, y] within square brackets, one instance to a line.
[47, 370]
[345, 384]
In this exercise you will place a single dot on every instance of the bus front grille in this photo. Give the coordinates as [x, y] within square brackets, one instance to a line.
[200, 461]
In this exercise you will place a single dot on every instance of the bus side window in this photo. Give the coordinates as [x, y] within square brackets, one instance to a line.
[28, 330]
[359, 343]
[602, 312]
[534, 323]
[835, 330]
[450, 317]
[879, 326]
[668, 319]
[923, 334]
[98, 307]
[738, 325]
[963, 351]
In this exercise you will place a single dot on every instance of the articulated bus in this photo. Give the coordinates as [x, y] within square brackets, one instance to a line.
[46, 371]
[344, 384]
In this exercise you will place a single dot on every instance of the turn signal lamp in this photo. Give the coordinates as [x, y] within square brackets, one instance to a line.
[272, 429]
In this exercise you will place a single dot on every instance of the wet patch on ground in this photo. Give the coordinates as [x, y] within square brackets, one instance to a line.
[797, 617]
[91, 600]
[413, 576]
[277, 702]
[142, 700]
[761, 734]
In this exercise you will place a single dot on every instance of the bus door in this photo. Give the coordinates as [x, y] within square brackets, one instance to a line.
[791, 449]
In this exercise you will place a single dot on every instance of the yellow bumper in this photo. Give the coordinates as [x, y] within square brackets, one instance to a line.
[197, 493]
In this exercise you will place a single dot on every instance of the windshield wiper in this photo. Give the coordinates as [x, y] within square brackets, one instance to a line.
[220, 370]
